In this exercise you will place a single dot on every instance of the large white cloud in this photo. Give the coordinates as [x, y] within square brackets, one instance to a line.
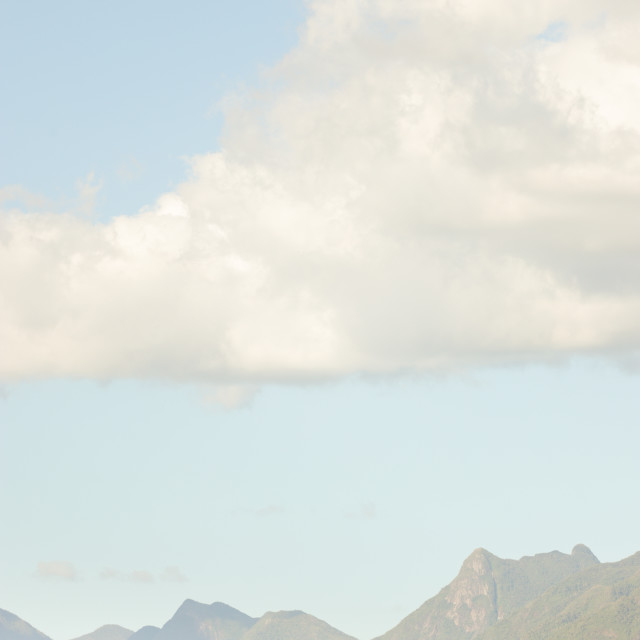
[418, 185]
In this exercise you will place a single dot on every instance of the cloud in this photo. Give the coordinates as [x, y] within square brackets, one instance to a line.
[230, 396]
[111, 574]
[17, 197]
[57, 570]
[87, 193]
[130, 170]
[418, 186]
[141, 576]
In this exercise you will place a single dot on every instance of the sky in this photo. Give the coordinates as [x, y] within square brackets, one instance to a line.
[301, 302]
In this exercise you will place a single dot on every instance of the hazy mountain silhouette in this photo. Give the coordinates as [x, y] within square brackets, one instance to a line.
[486, 590]
[196, 621]
[13, 628]
[145, 633]
[549, 596]
[108, 632]
[292, 625]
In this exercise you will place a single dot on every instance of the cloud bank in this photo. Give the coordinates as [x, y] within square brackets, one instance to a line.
[418, 186]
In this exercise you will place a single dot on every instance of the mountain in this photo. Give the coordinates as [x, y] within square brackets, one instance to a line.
[549, 596]
[600, 602]
[197, 621]
[292, 625]
[218, 621]
[145, 633]
[108, 632]
[486, 590]
[13, 628]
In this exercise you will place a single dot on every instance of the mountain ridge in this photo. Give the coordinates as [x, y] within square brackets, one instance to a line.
[547, 596]
[486, 590]
[108, 632]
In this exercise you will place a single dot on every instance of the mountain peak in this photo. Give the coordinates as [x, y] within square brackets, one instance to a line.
[581, 550]
[195, 619]
[479, 562]
[189, 604]
[290, 625]
[108, 632]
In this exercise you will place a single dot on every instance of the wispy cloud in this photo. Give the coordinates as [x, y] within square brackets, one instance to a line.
[17, 197]
[57, 570]
[235, 396]
[130, 170]
[111, 574]
[88, 190]
[141, 576]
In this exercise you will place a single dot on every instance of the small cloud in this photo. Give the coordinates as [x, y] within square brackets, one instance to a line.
[141, 576]
[129, 170]
[16, 196]
[111, 574]
[173, 574]
[87, 193]
[365, 512]
[236, 396]
[58, 570]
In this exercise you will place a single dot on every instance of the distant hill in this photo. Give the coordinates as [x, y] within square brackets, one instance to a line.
[293, 625]
[108, 632]
[145, 633]
[197, 621]
[13, 628]
[549, 596]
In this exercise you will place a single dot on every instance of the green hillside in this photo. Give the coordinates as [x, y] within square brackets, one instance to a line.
[292, 625]
[600, 602]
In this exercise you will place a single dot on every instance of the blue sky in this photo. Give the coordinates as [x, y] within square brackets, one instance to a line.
[295, 315]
